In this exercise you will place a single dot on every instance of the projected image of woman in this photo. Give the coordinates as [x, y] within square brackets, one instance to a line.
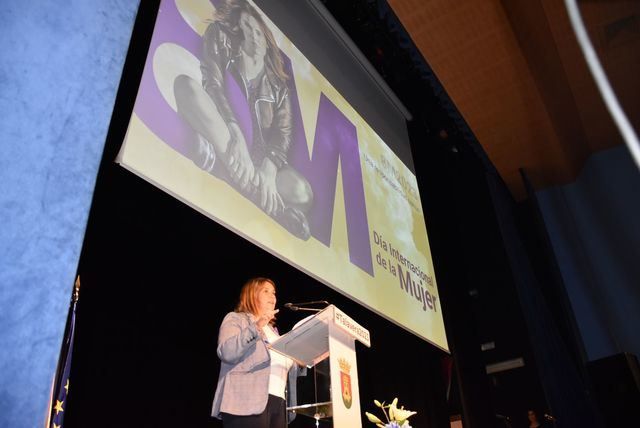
[239, 51]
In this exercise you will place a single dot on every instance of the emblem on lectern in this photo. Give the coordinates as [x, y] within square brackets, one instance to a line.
[345, 382]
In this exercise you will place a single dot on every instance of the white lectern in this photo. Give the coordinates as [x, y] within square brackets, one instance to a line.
[330, 333]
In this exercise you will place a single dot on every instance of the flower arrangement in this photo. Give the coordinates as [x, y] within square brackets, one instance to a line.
[396, 417]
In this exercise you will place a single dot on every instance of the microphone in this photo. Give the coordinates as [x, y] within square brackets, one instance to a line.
[549, 417]
[301, 306]
[499, 416]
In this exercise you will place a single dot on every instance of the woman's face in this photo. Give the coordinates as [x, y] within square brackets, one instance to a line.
[532, 416]
[254, 43]
[266, 300]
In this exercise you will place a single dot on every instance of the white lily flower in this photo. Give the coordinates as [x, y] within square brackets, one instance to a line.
[397, 417]
[402, 415]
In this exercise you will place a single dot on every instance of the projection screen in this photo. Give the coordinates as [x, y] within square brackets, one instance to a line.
[233, 120]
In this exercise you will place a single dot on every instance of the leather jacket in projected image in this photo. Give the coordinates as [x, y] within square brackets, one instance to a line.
[268, 97]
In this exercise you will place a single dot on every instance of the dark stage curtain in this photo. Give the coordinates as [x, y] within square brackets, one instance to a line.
[565, 389]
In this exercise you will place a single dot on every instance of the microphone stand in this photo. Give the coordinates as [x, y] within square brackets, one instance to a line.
[295, 308]
[299, 307]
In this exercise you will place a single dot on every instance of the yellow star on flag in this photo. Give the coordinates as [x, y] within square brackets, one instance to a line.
[66, 386]
[58, 407]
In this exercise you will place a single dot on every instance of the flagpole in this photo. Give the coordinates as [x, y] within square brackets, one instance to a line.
[76, 291]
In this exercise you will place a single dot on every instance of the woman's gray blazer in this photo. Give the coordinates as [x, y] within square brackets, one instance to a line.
[243, 383]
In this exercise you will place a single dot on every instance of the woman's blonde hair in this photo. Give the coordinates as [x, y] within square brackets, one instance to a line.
[248, 301]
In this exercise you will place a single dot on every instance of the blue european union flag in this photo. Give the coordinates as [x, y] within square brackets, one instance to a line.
[60, 390]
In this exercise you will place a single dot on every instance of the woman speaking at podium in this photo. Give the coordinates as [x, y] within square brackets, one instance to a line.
[252, 381]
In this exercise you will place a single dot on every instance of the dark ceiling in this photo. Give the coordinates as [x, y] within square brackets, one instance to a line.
[515, 72]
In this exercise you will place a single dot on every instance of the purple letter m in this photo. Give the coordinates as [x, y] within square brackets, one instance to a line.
[336, 140]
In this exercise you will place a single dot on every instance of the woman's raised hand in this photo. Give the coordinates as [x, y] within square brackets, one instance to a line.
[264, 318]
